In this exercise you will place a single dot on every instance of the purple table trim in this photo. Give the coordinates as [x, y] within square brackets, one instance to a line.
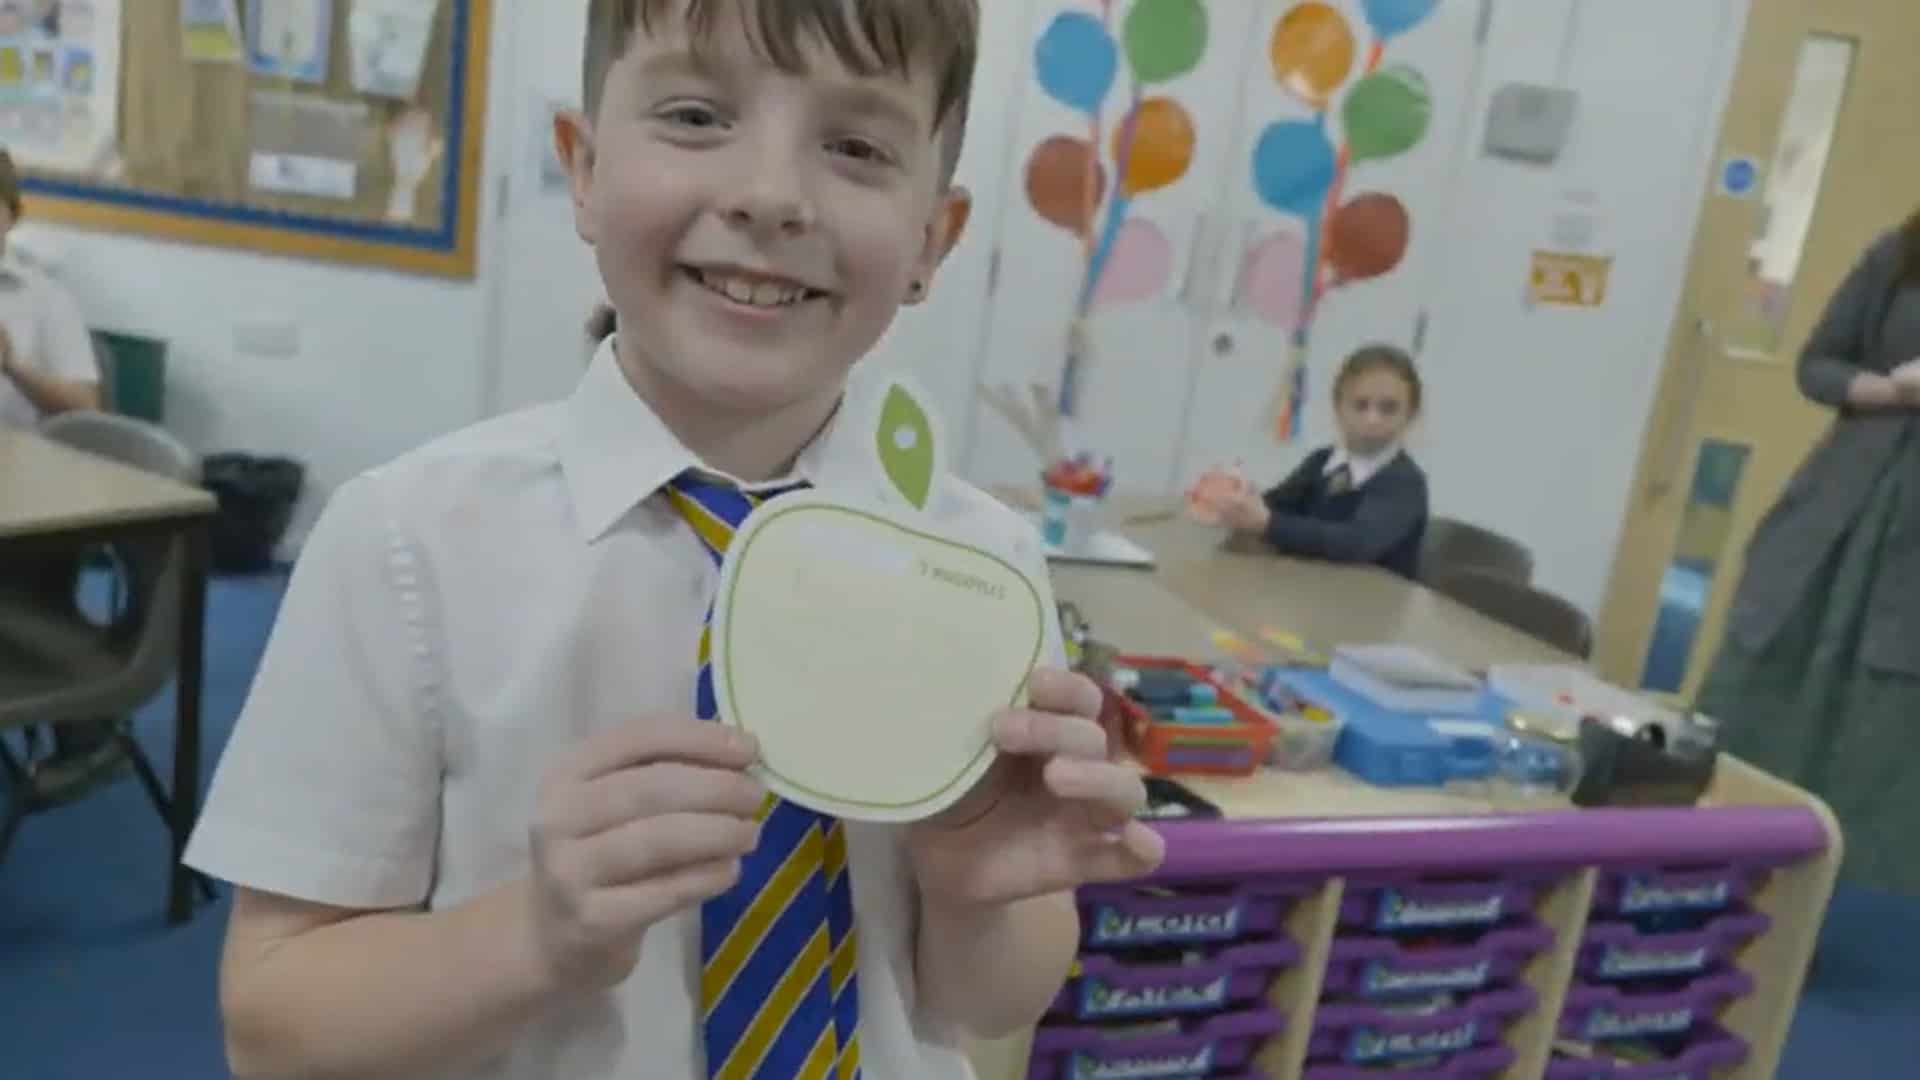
[1211, 850]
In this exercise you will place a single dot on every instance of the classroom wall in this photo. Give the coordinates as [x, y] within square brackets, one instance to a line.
[1536, 414]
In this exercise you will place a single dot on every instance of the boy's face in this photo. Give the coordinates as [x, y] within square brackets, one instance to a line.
[756, 230]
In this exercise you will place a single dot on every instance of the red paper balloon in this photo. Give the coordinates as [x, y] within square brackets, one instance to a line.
[1065, 182]
[1368, 236]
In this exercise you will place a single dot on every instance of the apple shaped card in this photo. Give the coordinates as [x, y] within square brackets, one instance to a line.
[866, 650]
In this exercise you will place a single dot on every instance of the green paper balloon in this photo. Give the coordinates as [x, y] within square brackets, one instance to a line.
[905, 444]
[1165, 39]
[1387, 113]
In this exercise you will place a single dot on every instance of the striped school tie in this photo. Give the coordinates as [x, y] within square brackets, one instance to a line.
[1340, 480]
[778, 999]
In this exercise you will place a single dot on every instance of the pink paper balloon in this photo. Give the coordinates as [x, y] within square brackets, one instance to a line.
[1138, 266]
[1273, 279]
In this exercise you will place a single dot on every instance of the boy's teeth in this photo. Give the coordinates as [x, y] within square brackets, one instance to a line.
[761, 294]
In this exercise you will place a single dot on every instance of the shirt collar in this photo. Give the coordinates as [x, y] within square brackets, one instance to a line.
[616, 452]
[1361, 468]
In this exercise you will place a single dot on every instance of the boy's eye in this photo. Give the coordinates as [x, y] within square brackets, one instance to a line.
[863, 150]
[691, 115]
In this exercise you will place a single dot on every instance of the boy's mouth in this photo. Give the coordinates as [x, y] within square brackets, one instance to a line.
[753, 290]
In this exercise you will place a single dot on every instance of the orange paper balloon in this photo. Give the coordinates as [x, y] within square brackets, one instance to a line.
[1058, 176]
[1313, 52]
[1156, 147]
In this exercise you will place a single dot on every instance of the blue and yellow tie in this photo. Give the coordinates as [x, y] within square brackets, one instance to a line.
[777, 989]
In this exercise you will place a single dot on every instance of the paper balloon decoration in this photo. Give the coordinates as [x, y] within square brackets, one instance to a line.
[1058, 174]
[1293, 166]
[1155, 146]
[1165, 38]
[1076, 61]
[1368, 236]
[1312, 52]
[1137, 266]
[1387, 113]
[1391, 18]
[1273, 280]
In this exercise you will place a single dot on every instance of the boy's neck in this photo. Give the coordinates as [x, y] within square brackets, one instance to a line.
[750, 447]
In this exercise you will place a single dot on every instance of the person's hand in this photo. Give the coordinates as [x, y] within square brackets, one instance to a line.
[1906, 382]
[634, 825]
[1246, 512]
[1055, 812]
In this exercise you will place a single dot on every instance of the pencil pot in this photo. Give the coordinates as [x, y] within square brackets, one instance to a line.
[1067, 518]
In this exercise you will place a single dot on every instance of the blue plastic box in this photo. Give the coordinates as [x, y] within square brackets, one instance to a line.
[1394, 749]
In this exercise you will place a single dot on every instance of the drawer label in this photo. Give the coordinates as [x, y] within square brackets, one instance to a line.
[1112, 926]
[1382, 979]
[1368, 1045]
[1608, 1024]
[1401, 912]
[1098, 1001]
[1641, 896]
[1194, 1063]
[1625, 962]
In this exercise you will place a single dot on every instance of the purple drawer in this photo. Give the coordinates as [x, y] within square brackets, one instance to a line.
[1170, 1050]
[1698, 1058]
[1110, 988]
[1655, 891]
[1372, 1034]
[1382, 967]
[1132, 916]
[1416, 906]
[1478, 1064]
[1615, 951]
[1597, 1013]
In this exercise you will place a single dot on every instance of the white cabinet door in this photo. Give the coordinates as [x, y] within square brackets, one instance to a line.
[1150, 90]
[1352, 143]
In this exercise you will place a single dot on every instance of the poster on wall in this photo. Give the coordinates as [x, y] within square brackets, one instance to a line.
[59, 82]
[289, 39]
[210, 31]
[389, 40]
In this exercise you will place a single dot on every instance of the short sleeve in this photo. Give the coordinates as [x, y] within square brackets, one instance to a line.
[65, 346]
[330, 788]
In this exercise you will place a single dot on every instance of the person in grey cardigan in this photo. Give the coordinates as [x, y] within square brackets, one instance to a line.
[1818, 680]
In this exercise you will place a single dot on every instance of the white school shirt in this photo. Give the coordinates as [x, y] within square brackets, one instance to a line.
[49, 336]
[1360, 467]
[459, 618]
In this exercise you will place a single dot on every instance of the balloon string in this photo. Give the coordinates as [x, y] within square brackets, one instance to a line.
[1116, 208]
[1322, 276]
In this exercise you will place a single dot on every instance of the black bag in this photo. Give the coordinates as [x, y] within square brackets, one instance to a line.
[257, 496]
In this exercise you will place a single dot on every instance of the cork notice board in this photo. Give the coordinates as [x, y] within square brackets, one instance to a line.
[345, 130]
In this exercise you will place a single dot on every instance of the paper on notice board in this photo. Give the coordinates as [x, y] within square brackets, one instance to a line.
[307, 145]
[210, 31]
[389, 41]
[59, 83]
[289, 38]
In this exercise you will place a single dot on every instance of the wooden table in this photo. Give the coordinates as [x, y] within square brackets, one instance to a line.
[55, 496]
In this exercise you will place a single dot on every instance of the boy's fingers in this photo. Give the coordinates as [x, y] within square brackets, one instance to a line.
[655, 790]
[1052, 690]
[651, 739]
[1030, 732]
[629, 909]
[655, 847]
[1110, 787]
[1134, 852]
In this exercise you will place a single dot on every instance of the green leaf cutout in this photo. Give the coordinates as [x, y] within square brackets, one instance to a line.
[905, 443]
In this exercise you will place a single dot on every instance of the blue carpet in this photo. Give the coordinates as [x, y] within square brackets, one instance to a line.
[94, 986]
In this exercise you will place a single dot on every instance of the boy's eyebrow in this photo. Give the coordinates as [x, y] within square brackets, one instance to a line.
[684, 62]
[860, 99]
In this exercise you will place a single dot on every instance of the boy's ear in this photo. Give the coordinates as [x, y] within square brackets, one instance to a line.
[573, 142]
[949, 221]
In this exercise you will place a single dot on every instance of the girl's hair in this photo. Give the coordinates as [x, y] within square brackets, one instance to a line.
[1388, 358]
[1910, 250]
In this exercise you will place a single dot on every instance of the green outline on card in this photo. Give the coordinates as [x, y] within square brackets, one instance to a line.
[1032, 659]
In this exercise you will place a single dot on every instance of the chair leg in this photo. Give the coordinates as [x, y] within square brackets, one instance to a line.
[162, 802]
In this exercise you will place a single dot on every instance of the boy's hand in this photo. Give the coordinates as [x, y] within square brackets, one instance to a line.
[1906, 382]
[1055, 812]
[636, 824]
[1247, 512]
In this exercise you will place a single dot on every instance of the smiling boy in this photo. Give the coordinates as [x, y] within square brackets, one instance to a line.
[482, 822]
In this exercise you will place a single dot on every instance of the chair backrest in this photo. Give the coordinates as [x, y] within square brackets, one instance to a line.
[1530, 610]
[131, 442]
[1452, 545]
[108, 364]
[152, 568]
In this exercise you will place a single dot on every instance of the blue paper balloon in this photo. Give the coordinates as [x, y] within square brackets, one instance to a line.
[1076, 60]
[1390, 18]
[1293, 167]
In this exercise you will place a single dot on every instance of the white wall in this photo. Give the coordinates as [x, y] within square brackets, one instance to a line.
[1535, 417]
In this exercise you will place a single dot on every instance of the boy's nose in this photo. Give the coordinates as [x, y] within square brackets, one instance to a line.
[769, 202]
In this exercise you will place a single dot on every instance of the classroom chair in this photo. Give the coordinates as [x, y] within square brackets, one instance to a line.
[1530, 610]
[59, 666]
[1452, 545]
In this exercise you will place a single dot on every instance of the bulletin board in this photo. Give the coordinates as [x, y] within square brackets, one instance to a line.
[343, 130]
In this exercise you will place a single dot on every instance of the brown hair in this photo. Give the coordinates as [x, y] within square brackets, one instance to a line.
[870, 37]
[9, 184]
[1388, 358]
